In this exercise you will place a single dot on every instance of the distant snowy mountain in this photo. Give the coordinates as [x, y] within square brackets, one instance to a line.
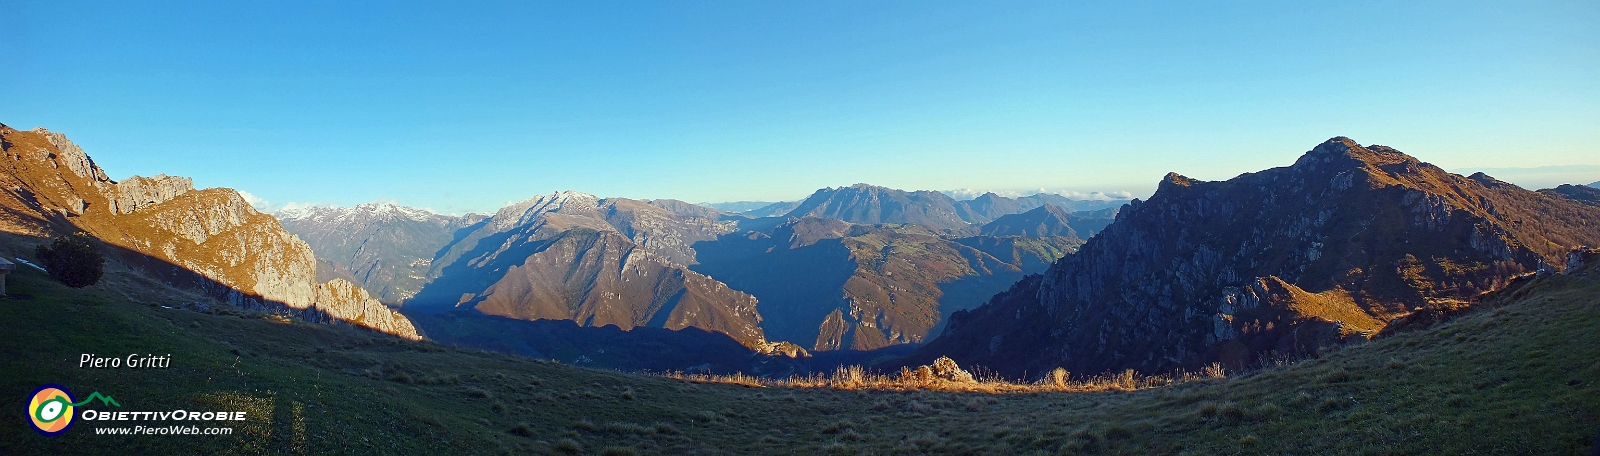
[386, 248]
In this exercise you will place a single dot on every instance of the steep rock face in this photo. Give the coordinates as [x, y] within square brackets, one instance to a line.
[387, 249]
[837, 285]
[210, 239]
[136, 191]
[1347, 238]
[596, 261]
[346, 302]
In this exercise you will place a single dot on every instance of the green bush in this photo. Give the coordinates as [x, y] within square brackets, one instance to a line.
[74, 260]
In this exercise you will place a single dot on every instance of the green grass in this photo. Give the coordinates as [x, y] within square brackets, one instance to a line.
[1514, 376]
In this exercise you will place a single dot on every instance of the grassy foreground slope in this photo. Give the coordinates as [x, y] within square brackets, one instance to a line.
[1518, 374]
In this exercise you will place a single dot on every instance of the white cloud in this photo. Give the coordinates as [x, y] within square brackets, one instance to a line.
[255, 201]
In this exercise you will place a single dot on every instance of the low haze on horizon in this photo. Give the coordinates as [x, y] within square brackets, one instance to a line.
[464, 108]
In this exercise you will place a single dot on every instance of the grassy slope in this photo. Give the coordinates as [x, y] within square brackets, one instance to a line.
[1517, 376]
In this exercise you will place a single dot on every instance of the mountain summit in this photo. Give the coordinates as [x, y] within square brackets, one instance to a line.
[873, 205]
[1273, 262]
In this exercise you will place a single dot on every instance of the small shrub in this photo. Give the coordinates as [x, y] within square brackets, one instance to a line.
[73, 260]
[838, 427]
[1231, 411]
[1335, 376]
[521, 429]
[850, 435]
[709, 416]
[1083, 439]
[1304, 398]
[1265, 412]
[479, 393]
[569, 446]
[618, 427]
[1249, 440]
[618, 451]
[1058, 377]
[977, 405]
[1118, 432]
[1329, 405]
[627, 394]
[667, 429]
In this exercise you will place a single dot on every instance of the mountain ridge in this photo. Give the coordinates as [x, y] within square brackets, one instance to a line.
[1266, 263]
[206, 239]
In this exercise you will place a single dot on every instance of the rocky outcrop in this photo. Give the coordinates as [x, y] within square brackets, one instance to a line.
[348, 303]
[210, 239]
[942, 370]
[136, 192]
[1269, 263]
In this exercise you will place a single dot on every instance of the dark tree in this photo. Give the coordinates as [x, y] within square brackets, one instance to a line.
[74, 260]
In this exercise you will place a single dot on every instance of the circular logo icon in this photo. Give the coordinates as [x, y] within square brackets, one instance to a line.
[50, 410]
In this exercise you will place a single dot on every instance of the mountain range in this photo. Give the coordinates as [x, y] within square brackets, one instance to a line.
[630, 263]
[385, 248]
[1269, 264]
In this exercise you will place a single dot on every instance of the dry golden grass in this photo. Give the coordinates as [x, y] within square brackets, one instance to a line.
[861, 378]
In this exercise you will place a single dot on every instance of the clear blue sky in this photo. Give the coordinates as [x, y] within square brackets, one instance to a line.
[467, 105]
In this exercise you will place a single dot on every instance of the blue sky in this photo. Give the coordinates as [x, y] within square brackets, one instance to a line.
[461, 106]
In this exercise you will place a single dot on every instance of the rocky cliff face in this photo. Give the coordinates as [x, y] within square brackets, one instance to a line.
[1278, 261]
[206, 238]
[385, 248]
[596, 261]
[837, 285]
[136, 192]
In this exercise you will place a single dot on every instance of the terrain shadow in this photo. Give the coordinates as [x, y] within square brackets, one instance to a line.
[642, 348]
[795, 288]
